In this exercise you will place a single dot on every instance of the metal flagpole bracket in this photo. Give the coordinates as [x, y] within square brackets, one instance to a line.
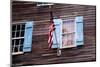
[58, 52]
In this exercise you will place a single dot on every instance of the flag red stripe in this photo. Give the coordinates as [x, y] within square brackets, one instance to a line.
[51, 34]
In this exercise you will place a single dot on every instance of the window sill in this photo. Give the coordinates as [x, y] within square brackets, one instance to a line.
[70, 46]
[17, 53]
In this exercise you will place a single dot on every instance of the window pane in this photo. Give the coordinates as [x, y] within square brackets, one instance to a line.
[17, 33]
[13, 27]
[23, 27]
[12, 49]
[18, 27]
[17, 41]
[13, 34]
[22, 40]
[22, 33]
[16, 49]
[12, 42]
[21, 48]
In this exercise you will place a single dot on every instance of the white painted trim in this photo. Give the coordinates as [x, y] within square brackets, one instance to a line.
[17, 53]
[17, 38]
[70, 46]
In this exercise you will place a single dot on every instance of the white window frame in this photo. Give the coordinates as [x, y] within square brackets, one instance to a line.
[19, 52]
[73, 45]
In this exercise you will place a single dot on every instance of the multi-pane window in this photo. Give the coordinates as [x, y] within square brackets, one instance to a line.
[18, 31]
[69, 32]
[22, 37]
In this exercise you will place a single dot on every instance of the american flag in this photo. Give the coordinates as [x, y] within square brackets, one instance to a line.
[51, 30]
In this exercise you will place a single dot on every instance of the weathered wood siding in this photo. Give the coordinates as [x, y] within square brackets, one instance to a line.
[40, 53]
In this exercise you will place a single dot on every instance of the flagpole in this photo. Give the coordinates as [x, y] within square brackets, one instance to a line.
[58, 47]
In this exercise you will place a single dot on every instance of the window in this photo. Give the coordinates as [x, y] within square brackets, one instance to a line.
[17, 37]
[68, 32]
[21, 37]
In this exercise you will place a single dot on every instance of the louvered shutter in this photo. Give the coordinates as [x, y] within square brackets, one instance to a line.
[57, 34]
[28, 37]
[79, 30]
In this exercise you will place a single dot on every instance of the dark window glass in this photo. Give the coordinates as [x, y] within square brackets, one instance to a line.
[18, 27]
[12, 42]
[16, 49]
[22, 33]
[23, 27]
[12, 48]
[17, 33]
[13, 34]
[17, 41]
[13, 27]
[21, 48]
[22, 41]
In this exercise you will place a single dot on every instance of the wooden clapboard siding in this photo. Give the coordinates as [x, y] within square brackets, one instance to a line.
[40, 53]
